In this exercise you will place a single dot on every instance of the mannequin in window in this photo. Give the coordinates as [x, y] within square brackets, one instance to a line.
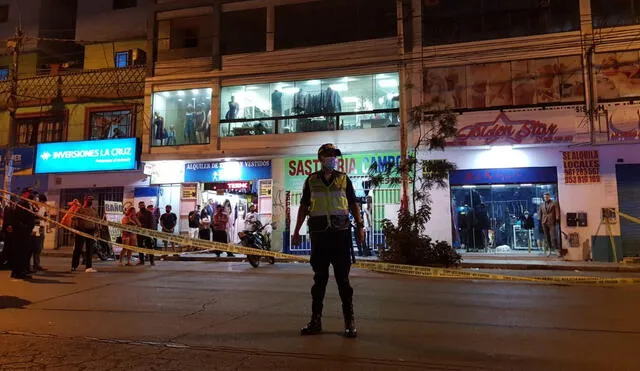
[234, 108]
[190, 125]
[158, 124]
[171, 136]
[276, 103]
[201, 123]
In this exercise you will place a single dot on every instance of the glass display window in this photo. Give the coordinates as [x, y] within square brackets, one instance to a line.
[339, 103]
[499, 218]
[181, 117]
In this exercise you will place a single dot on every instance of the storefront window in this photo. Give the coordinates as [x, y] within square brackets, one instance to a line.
[181, 117]
[500, 218]
[110, 124]
[343, 103]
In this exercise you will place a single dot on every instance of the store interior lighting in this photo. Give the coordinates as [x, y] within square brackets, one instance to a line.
[339, 87]
[388, 83]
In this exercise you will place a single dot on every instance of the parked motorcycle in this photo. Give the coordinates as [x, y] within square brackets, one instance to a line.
[257, 239]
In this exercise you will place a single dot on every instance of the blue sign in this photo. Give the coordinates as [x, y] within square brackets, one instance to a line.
[85, 156]
[504, 176]
[207, 172]
[22, 160]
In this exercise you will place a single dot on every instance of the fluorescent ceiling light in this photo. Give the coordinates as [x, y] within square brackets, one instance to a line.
[180, 93]
[166, 93]
[388, 83]
[314, 82]
[350, 99]
[502, 148]
[195, 91]
[468, 186]
[498, 185]
[290, 90]
[339, 87]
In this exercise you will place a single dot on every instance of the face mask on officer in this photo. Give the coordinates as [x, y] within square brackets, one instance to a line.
[329, 163]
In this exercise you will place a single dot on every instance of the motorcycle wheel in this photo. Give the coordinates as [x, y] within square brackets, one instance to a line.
[254, 260]
[272, 260]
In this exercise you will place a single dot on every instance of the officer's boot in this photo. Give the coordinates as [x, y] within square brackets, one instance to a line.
[350, 330]
[314, 326]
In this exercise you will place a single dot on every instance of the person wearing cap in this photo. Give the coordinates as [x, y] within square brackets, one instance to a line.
[327, 198]
[87, 227]
[549, 212]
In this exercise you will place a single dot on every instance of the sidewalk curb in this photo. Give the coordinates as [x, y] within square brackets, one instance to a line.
[620, 268]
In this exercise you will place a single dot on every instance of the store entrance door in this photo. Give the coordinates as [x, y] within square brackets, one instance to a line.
[66, 238]
[628, 177]
[498, 218]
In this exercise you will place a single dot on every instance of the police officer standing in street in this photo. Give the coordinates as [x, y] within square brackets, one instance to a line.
[327, 198]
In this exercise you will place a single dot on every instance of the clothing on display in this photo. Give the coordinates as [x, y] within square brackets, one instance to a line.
[327, 101]
[160, 131]
[276, 103]
[234, 109]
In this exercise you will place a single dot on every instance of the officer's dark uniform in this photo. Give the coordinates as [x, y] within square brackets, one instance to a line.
[328, 204]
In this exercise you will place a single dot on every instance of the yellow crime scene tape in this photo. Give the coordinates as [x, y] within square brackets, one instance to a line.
[201, 246]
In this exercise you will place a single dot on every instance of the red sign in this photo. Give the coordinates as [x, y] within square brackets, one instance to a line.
[240, 186]
[504, 129]
[581, 167]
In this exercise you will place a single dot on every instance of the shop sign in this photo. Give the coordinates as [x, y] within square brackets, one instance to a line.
[241, 186]
[623, 123]
[299, 168]
[22, 160]
[265, 188]
[214, 171]
[503, 176]
[507, 128]
[189, 191]
[86, 156]
[113, 212]
[581, 167]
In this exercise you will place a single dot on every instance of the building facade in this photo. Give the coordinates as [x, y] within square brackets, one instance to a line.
[93, 94]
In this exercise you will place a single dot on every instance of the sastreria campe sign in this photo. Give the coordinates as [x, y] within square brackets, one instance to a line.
[87, 156]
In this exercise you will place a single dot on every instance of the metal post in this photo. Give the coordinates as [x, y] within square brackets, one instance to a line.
[15, 45]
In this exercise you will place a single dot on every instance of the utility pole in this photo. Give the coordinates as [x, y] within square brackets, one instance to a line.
[15, 46]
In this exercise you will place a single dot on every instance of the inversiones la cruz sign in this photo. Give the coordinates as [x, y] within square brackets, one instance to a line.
[504, 128]
[90, 155]
[581, 167]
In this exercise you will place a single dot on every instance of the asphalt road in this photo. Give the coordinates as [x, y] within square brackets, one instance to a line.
[228, 316]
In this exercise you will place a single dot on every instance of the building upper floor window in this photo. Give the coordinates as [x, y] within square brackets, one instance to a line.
[185, 37]
[34, 130]
[612, 13]
[244, 31]
[132, 57]
[110, 124]
[4, 13]
[334, 21]
[124, 4]
[340, 103]
[4, 73]
[456, 21]
[181, 117]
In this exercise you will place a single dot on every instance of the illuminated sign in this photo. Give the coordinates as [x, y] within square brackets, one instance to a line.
[86, 156]
[214, 171]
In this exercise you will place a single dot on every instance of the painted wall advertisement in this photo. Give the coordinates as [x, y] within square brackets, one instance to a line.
[581, 167]
[299, 168]
[623, 122]
[213, 171]
[518, 127]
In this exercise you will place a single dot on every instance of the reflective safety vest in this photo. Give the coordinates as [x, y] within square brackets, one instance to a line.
[330, 201]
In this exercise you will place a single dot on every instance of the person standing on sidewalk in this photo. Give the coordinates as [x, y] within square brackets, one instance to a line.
[549, 212]
[327, 198]
[19, 225]
[39, 233]
[168, 222]
[194, 223]
[145, 217]
[87, 227]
